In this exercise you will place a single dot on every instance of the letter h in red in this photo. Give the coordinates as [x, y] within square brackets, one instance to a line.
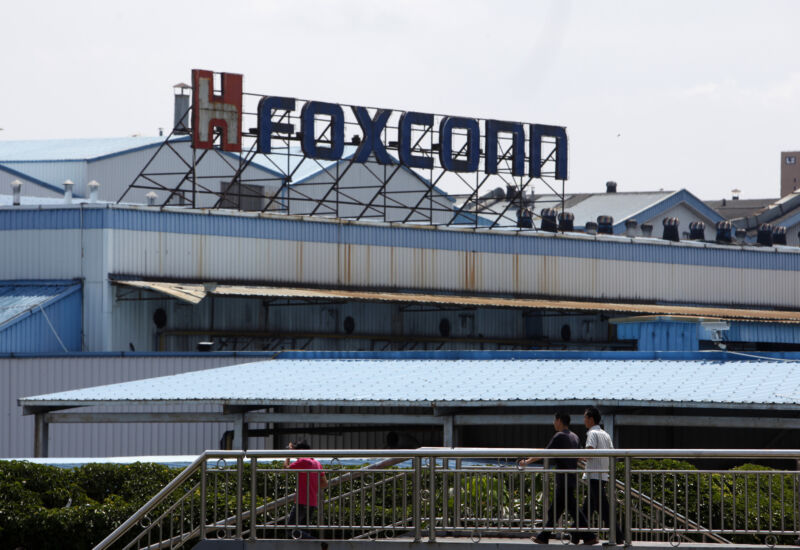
[209, 110]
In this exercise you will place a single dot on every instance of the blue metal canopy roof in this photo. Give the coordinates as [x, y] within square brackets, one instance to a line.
[682, 383]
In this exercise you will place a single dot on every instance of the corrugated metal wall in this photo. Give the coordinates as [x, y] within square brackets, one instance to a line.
[20, 377]
[46, 331]
[55, 172]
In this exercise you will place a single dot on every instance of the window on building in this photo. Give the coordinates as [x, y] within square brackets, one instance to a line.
[791, 159]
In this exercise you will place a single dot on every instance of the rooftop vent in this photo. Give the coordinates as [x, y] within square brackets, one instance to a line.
[511, 192]
[647, 229]
[591, 228]
[764, 237]
[566, 221]
[181, 114]
[779, 235]
[724, 232]
[16, 191]
[524, 218]
[671, 229]
[630, 227]
[697, 231]
[68, 185]
[741, 233]
[611, 187]
[605, 225]
[151, 198]
[93, 188]
[549, 220]
[735, 194]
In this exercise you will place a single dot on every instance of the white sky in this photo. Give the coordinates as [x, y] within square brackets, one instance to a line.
[672, 94]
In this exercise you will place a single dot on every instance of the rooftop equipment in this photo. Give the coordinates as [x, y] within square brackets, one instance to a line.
[591, 228]
[764, 237]
[181, 116]
[16, 191]
[549, 220]
[151, 198]
[671, 229]
[566, 221]
[647, 229]
[697, 231]
[68, 184]
[724, 232]
[524, 218]
[93, 188]
[630, 227]
[611, 187]
[779, 235]
[741, 233]
[605, 225]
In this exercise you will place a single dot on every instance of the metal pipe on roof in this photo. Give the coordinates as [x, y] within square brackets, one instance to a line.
[93, 189]
[16, 190]
[68, 185]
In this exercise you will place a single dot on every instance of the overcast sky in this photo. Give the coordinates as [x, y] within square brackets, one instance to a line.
[673, 94]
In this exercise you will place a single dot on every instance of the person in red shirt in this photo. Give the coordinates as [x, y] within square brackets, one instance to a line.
[306, 498]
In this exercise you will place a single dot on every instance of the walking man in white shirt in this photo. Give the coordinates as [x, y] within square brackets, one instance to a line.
[597, 474]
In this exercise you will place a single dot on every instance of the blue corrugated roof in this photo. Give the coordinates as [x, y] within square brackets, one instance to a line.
[73, 149]
[463, 382]
[18, 298]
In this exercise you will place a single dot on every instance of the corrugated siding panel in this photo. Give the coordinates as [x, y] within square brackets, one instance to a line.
[34, 333]
[30, 376]
[54, 173]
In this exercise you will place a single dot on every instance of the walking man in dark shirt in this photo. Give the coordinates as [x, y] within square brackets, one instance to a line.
[564, 491]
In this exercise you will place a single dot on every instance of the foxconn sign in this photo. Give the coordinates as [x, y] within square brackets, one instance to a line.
[422, 140]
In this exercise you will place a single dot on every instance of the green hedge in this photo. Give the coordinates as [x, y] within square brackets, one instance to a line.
[46, 507]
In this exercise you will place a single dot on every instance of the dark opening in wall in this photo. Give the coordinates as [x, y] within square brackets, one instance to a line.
[444, 328]
[349, 325]
[566, 333]
[160, 318]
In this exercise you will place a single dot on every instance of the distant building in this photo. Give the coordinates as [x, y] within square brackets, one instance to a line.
[790, 172]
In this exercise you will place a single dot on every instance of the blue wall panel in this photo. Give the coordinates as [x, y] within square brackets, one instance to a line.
[32, 333]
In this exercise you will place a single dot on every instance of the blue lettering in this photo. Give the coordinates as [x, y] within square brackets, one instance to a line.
[406, 120]
[560, 134]
[446, 128]
[493, 127]
[265, 125]
[371, 142]
[309, 143]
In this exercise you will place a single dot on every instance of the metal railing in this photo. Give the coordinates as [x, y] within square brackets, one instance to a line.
[432, 492]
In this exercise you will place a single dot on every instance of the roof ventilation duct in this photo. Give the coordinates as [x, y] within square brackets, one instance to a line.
[764, 234]
[647, 229]
[605, 225]
[671, 229]
[16, 191]
[181, 116]
[611, 187]
[566, 221]
[524, 218]
[630, 227]
[724, 232]
[697, 231]
[779, 235]
[549, 220]
[93, 188]
[741, 233]
[591, 228]
[68, 185]
[151, 198]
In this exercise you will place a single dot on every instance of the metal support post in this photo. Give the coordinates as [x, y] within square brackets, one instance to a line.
[457, 496]
[253, 489]
[416, 500]
[203, 500]
[611, 428]
[448, 435]
[240, 433]
[612, 500]
[432, 499]
[239, 491]
[628, 540]
[41, 436]
[546, 492]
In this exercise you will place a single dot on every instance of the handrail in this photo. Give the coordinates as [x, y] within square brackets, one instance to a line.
[161, 496]
[487, 452]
